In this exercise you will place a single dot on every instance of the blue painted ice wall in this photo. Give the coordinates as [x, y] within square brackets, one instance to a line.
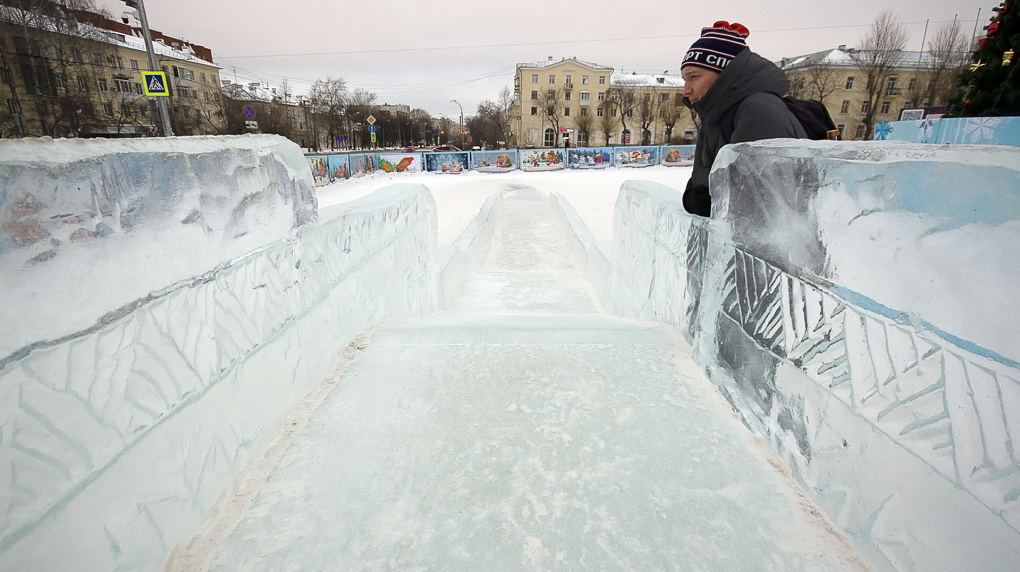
[856, 302]
[955, 130]
[121, 424]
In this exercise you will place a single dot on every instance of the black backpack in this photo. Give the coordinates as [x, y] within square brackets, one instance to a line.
[811, 114]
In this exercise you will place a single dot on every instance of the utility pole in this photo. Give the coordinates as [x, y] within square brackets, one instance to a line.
[163, 111]
[461, 122]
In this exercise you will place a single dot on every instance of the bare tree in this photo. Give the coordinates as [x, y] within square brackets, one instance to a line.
[647, 108]
[672, 112]
[821, 82]
[359, 107]
[550, 107]
[607, 121]
[329, 99]
[623, 100]
[948, 56]
[584, 123]
[880, 51]
[498, 112]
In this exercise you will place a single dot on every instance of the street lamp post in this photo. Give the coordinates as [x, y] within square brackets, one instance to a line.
[461, 122]
[163, 111]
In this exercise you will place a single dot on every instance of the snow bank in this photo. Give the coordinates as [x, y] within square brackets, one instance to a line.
[856, 303]
[115, 439]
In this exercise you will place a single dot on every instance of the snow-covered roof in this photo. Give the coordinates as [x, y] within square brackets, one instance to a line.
[646, 80]
[843, 56]
[551, 62]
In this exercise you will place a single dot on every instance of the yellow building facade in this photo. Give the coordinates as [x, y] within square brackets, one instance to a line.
[574, 103]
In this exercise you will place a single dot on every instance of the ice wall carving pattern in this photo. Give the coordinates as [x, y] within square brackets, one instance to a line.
[952, 407]
[70, 410]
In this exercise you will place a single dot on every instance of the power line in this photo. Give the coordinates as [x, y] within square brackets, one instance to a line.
[549, 43]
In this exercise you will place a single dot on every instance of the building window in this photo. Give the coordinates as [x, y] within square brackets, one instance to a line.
[598, 112]
[841, 127]
[214, 80]
[648, 98]
[566, 96]
[122, 85]
[534, 78]
[885, 107]
[602, 80]
[103, 85]
[83, 84]
[866, 107]
[552, 79]
[585, 96]
[534, 111]
[584, 80]
[913, 84]
[534, 95]
[663, 98]
[602, 96]
[566, 112]
[662, 113]
[613, 112]
[108, 109]
[584, 111]
[203, 77]
[569, 80]
[138, 88]
[680, 99]
[850, 82]
[551, 94]
[134, 65]
[890, 87]
[860, 131]
[97, 59]
[76, 56]
[845, 107]
[120, 63]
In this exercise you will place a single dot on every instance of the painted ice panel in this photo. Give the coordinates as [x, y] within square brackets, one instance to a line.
[542, 160]
[446, 162]
[636, 156]
[494, 161]
[591, 158]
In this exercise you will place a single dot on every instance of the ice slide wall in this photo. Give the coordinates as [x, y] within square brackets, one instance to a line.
[856, 302]
[124, 415]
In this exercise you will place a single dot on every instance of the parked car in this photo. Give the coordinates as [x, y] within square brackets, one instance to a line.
[446, 148]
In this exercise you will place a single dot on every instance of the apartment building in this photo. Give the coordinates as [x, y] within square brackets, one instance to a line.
[578, 104]
[836, 78]
[73, 73]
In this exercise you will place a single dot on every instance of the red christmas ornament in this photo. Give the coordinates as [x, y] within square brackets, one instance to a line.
[993, 29]
[981, 43]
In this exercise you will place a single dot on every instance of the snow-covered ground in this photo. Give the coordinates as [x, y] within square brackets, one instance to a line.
[460, 196]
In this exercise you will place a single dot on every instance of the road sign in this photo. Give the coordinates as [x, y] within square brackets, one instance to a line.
[249, 112]
[373, 138]
[155, 84]
[371, 120]
[371, 128]
[251, 124]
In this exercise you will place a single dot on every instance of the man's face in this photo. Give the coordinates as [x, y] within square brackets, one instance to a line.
[697, 81]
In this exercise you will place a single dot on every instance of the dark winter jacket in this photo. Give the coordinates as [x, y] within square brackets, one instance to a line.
[757, 85]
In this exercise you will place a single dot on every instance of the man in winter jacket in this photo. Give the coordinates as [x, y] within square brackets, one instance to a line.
[738, 97]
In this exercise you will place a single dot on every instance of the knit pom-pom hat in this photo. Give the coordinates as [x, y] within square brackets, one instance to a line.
[717, 46]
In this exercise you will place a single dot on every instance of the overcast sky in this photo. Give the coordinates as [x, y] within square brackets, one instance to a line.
[425, 54]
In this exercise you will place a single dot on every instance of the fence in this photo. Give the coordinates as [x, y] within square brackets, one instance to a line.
[327, 168]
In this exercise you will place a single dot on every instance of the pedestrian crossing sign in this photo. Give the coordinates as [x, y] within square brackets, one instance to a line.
[155, 83]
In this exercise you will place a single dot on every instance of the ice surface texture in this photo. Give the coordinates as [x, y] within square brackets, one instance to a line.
[115, 440]
[851, 303]
[88, 226]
